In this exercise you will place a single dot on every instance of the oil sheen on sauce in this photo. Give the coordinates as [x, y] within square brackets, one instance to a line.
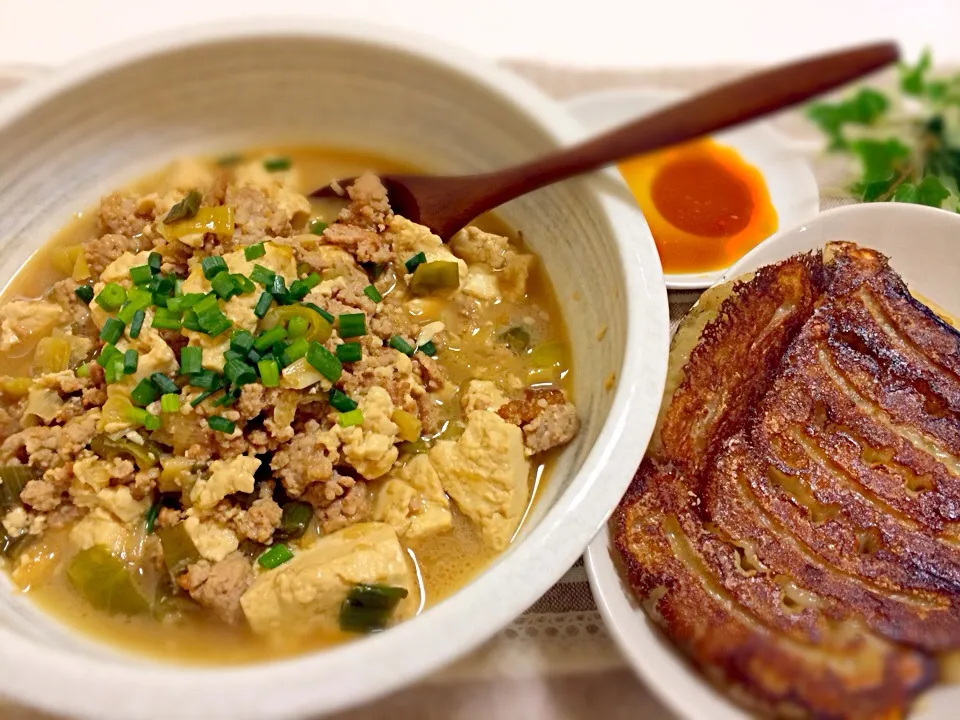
[705, 205]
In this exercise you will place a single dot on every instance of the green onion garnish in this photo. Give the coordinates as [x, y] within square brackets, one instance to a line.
[175, 304]
[84, 292]
[151, 421]
[112, 372]
[275, 556]
[398, 343]
[317, 227]
[112, 330]
[141, 274]
[225, 286]
[262, 275]
[108, 355]
[229, 159]
[252, 252]
[150, 518]
[111, 297]
[83, 371]
[145, 393]
[253, 357]
[221, 424]
[320, 311]
[170, 403]
[341, 401]
[428, 348]
[203, 396]
[269, 373]
[190, 321]
[213, 322]
[183, 210]
[239, 373]
[349, 352]
[263, 304]
[276, 164]
[154, 261]
[241, 341]
[212, 266]
[191, 358]
[206, 380]
[165, 384]
[412, 263]
[349, 419]
[244, 283]
[295, 350]
[166, 319]
[297, 326]
[270, 337]
[324, 362]
[371, 292]
[352, 325]
[130, 361]
[190, 300]
[139, 298]
[298, 289]
[137, 323]
[277, 287]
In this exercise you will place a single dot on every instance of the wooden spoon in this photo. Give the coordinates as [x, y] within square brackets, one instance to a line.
[446, 204]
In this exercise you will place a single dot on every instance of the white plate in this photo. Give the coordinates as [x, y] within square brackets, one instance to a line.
[793, 189]
[922, 244]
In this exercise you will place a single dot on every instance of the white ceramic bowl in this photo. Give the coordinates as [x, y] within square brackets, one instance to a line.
[106, 120]
[922, 244]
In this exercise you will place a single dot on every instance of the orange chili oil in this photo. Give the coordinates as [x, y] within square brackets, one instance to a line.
[705, 205]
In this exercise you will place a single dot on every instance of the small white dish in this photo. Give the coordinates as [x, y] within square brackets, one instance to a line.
[793, 189]
[921, 243]
[106, 120]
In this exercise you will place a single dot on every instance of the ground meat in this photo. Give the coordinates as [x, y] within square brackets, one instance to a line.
[365, 245]
[352, 503]
[168, 517]
[219, 587]
[533, 403]
[255, 214]
[555, 425]
[391, 370]
[63, 293]
[305, 460]
[120, 215]
[430, 372]
[174, 255]
[104, 250]
[9, 420]
[256, 523]
[144, 483]
[429, 414]
[43, 495]
[64, 515]
[217, 192]
[369, 207]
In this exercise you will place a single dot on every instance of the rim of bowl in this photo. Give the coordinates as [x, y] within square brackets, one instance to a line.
[67, 682]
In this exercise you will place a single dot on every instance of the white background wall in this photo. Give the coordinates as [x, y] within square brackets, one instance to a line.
[588, 33]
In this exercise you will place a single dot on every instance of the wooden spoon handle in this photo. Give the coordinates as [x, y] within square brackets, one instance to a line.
[737, 102]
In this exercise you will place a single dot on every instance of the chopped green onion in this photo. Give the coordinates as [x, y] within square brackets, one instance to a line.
[297, 327]
[269, 373]
[232, 355]
[127, 312]
[276, 164]
[229, 159]
[108, 355]
[83, 371]
[350, 419]
[262, 275]
[141, 274]
[84, 292]
[191, 358]
[428, 348]
[137, 323]
[317, 227]
[270, 337]
[324, 362]
[206, 380]
[245, 285]
[253, 356]
[341, 401]
[165, 384]
[175, 304]
[252, 252]
[225, 286]
[145, 393]
[214, 322]
[203, 396]
[225, 400]
[323, 313]
[154, 261]
[166, 319]
[190, 300]
[139, 298]
[239, 373]
[295, 350]
[112, 372]
[151, 422]
[162, 285]
[263, 304]
[191, 322]
[183, 210]
[170, 402]
[150, 519]
[206, 303]
[112, 330]
[298, 290]
[213, 265]
[312, 280]
[242, 341]
[352, 325]
[371, 292]
[294, 520]
[398, 343]
[221, 424]
[111, 297]
[412, 263]
[130, 361]
[349, 352]
[160, 300]
[275, 556]
[277, 287]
